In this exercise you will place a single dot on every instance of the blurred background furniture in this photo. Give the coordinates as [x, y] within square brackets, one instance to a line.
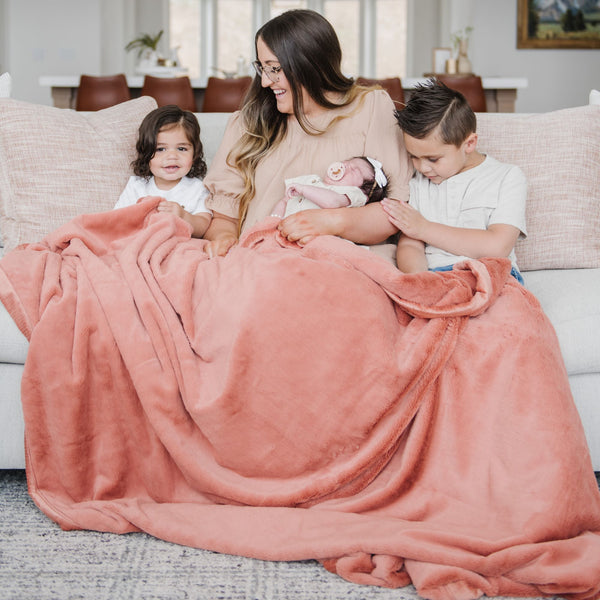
[170, 90]
[470, 86]
[98, 92]
[225, 95]
[392, 85]
[500, 92]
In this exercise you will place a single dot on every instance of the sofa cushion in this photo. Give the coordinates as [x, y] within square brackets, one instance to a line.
[559, 153]
[571, 300]
[13, 344]
[212, 128]
[57, 163]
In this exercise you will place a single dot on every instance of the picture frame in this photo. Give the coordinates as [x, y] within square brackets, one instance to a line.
[576, 28]
[439, 58]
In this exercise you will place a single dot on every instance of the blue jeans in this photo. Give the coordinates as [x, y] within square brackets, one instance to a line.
[514, 272]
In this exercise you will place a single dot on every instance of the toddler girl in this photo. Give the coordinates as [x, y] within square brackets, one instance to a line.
[170, 164]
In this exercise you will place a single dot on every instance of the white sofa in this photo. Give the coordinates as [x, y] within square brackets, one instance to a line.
[79, 162]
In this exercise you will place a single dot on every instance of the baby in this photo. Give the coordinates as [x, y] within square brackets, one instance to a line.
[352, 182]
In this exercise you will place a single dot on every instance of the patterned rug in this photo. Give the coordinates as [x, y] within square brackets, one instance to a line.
[39, 560]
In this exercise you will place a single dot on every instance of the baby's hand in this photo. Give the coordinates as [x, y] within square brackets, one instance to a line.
[407, 219]
[171, 207]
[293, 190]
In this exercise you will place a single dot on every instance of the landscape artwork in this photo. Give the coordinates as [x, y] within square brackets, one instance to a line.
[558, 24]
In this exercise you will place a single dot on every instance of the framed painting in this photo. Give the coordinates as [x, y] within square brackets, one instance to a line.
[439, 58]
[565, 24]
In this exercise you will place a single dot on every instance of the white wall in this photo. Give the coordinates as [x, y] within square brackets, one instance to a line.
[69, 37]
[557, 78]
[57, 37]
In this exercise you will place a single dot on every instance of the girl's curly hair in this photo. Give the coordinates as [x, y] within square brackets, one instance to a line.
[167, 117]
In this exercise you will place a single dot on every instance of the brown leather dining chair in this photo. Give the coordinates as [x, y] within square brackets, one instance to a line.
[98, 92]
[225, 95]
[170, 90]
[392, 85]
[470, 86]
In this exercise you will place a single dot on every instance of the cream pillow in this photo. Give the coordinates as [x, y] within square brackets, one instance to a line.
[5, 85]
[560, 154]
[57, 163]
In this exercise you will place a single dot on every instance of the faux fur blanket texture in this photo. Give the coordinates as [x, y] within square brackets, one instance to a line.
[293, 403]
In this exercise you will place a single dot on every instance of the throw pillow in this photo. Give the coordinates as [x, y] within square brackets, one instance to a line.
[5, 85]
[56, 164]
[559, 153]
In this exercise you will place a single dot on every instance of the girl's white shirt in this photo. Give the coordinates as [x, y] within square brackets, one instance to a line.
[191, 193]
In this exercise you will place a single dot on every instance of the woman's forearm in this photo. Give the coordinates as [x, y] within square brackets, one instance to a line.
[364, 225]
[221, 235]
[221, 226]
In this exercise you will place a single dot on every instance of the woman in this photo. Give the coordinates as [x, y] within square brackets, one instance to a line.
[301, 114]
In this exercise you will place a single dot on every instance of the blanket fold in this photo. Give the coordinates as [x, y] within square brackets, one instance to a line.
[291, 403]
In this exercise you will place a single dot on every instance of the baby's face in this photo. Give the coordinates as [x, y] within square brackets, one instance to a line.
[353, 172]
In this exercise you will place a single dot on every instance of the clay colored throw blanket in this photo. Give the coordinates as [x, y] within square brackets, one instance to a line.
[291, 403]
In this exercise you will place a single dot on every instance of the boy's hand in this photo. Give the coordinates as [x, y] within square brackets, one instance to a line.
[407, 219]
[171, 207]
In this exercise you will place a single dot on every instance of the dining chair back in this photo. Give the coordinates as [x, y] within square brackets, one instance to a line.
[225, 95]
[170, 90]
[392, 85]
[98, 92]
[470, 86]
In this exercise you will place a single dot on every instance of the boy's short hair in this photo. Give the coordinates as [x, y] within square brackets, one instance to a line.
[433, 104]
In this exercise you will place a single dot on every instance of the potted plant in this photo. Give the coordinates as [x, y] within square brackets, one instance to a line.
[147, 48]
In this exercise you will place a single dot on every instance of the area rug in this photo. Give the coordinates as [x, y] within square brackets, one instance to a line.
[39, 560]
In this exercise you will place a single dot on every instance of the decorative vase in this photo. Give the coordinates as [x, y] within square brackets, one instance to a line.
[148, 59]
[451, 66]
[464, 64]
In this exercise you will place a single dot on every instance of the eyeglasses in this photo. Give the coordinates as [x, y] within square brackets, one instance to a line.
[271, 72]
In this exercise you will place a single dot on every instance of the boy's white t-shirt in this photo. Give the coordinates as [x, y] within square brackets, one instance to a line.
[190, 193]
[492, 192]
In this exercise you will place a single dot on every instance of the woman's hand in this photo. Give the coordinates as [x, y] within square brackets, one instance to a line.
[303, 226]
[220, 247]
[366, 225]
[221, 235]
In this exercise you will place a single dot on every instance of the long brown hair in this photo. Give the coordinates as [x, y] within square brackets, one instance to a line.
[310, 56]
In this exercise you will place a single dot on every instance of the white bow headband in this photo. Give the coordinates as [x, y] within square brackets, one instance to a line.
[380, 178]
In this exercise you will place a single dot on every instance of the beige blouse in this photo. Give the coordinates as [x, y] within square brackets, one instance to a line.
[370, 129]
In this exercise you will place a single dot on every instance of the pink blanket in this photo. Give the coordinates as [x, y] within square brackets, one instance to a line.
[291, 403]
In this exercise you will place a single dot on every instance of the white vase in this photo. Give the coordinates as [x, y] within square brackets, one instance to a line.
[148, 60]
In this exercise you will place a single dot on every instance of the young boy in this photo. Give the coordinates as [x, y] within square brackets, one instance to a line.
[463, 204]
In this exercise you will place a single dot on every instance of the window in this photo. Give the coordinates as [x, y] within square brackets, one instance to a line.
[216, 37]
